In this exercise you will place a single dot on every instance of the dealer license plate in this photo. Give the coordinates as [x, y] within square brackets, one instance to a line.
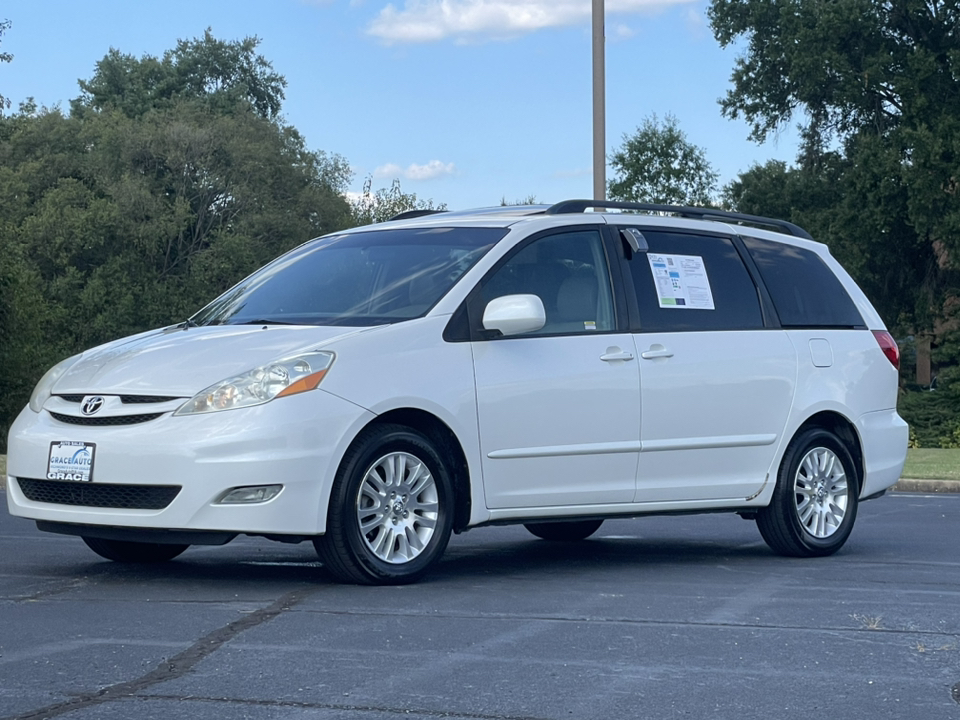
[71, 460]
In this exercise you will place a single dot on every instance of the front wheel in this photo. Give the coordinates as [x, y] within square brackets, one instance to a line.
[565, 531]
[126, 551]
[391, 509]
[814, 504]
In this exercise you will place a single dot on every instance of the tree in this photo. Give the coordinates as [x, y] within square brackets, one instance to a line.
[658, 164]
[224, 75]
[4, 57]
[374, 206]
[877, 87]
[144, 202]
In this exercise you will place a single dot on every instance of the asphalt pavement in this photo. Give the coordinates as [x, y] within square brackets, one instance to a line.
[660, 617]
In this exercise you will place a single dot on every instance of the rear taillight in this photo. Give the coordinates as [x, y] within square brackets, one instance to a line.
[889, 347]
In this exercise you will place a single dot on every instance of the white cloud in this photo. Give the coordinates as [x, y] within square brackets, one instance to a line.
[389, 170]
[620, 31]
[420, 21]
[431, 170]
[696, 21]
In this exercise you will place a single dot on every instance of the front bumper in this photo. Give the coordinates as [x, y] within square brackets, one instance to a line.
[295, 441]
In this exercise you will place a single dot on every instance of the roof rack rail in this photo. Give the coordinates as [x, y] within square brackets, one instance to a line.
[579, 206]
[415, 214]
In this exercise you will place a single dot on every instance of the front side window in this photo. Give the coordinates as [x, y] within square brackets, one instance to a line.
[568, 272]
[356, 279]
[690, 282]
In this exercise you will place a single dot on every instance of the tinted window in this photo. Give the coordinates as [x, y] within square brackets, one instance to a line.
[693, 282]
[568, 272]
[805, 291]
[367, 278]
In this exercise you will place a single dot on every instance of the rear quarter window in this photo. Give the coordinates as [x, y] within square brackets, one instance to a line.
[804, 290]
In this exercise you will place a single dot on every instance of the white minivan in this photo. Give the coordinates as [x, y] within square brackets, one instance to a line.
[376, 389]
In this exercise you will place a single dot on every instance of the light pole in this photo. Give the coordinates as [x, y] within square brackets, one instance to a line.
[599, 100]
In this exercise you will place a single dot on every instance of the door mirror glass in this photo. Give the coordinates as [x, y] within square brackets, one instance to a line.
[515, 314]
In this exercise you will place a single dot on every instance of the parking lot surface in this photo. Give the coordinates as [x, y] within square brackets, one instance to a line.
[652, 618]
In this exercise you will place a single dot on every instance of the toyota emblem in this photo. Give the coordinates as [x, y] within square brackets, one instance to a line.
[91, 405]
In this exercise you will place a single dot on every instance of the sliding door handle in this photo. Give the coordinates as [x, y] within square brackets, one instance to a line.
[656, 351]
[614, 353]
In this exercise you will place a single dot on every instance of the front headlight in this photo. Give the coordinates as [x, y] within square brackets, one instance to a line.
[289, 376]
[45, 387]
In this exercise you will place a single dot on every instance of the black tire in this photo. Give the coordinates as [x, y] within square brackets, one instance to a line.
[126, 551]
[566, 531]
[803, 476]
[387, 553]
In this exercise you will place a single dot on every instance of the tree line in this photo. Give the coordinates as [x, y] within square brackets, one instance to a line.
[168, 180]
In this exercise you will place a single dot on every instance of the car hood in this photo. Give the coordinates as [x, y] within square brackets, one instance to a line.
[181, 363]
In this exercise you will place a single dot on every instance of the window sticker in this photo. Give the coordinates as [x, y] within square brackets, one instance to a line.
[681, 281]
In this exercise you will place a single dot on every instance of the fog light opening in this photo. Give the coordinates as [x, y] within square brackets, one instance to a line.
[249, 495]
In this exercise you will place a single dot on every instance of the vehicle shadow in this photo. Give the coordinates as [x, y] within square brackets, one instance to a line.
[251, 564]
[593, 555]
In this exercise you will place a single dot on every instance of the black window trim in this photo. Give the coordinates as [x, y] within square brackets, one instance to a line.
[465, 323]
[771, 319]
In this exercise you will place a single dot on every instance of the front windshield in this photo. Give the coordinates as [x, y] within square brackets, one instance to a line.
[357, 279]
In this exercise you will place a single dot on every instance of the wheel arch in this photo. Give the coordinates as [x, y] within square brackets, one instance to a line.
[843, 429]
[447, 443]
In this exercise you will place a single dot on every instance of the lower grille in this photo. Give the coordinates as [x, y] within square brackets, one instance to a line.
[129, 497]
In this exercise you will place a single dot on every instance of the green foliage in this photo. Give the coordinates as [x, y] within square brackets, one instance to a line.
[145, 202]
[657, 164]
[877, 86]
[223, 75]
[374, 206]
[933, 416]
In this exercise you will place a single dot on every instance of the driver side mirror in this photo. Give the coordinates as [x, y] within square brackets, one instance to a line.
[515, 314]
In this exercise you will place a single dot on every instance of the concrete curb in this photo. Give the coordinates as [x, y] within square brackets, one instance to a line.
[927, 487]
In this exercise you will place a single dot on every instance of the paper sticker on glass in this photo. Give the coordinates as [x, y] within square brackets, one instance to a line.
[681, 281]
[71, 460]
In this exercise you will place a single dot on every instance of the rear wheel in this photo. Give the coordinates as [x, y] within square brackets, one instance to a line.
[814, 504]
[126, 551]
[391, 509]
[566, 531]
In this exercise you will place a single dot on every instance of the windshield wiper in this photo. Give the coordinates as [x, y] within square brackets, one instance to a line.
[264, 321]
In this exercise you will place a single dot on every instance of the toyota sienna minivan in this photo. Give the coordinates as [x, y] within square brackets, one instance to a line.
[376, 389]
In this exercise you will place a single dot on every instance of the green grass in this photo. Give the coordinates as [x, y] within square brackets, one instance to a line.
[932, 464]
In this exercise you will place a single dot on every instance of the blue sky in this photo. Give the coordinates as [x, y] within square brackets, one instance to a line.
[466, 101]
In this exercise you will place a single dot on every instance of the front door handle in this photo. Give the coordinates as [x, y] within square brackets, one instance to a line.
[656, 351]
[614, 353]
